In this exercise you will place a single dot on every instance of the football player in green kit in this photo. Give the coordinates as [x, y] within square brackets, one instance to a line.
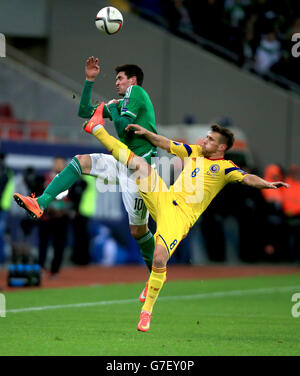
[135, 107]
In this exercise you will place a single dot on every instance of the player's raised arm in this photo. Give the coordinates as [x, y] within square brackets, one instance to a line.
[92, 69]
[155, 139]
[257, 182]
[86, 109]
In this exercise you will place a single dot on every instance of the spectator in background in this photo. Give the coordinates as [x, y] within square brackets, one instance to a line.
[6, 191]
[249, 44]
[83, 197]
[32, 182]
[184, 19]
[288, 66]
[275, 231]
[54, 223]
[245, 205]
[177, 15]
[235, 13]
[21, 226]
[244, 27]
[267, 54]
[212, 229]
[291, 209]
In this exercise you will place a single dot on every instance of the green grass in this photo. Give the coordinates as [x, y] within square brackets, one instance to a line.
[255, 323]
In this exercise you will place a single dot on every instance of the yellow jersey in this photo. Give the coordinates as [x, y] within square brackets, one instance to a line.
[201, 179]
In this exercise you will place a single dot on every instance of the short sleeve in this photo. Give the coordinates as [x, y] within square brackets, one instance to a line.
[234, 174]
[185, 150]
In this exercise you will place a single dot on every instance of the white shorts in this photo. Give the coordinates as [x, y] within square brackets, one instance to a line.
[114, 176]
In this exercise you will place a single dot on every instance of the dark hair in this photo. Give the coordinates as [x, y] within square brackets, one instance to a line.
[227, 136]
[131, 70]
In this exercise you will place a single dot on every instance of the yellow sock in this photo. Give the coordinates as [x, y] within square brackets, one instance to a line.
[119, 150]
[156, 281]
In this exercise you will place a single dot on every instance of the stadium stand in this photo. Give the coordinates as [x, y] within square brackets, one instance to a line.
[254, 34]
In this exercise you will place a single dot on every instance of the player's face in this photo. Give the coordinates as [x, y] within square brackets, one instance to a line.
[122, 83]
[211, 144]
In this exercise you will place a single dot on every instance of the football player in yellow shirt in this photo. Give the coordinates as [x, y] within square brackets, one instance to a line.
[176, 209]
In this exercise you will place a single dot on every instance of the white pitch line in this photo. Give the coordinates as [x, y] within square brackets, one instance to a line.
[217, 294]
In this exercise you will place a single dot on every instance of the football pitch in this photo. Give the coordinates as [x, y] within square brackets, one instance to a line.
[240, 316]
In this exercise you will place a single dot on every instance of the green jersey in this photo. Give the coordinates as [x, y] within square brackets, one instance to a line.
[136, 106]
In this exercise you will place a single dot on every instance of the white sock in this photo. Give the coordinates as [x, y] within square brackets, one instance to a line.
[96, 127]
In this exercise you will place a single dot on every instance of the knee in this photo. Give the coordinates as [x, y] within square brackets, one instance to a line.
[138, 231]
[85, 163]
[159, 259]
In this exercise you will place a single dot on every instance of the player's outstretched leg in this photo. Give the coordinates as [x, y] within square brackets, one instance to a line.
[30, 204]
[62, 182]
[120, 151]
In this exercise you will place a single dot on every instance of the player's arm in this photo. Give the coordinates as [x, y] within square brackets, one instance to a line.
[155, 139]
[86, 109]
[257, 182]
[120, 122]
[92, 69]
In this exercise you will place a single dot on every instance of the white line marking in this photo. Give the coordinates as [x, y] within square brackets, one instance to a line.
[217, 294]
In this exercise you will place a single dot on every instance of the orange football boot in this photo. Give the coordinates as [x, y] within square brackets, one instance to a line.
[95, 120]
[30, 204]
[144, 323]
[143, 294]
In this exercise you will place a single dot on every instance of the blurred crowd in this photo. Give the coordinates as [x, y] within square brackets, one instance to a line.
[65, 215]
[258, 32]
[268, 221]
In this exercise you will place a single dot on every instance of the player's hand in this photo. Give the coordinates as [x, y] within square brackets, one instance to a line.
[136, 128]
[92, 69]
[277, 184]
[113, 101]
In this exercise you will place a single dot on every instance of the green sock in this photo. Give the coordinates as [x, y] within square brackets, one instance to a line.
[147, 245]
[63, 181]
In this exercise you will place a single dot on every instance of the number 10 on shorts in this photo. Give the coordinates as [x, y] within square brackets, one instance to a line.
[138, 203]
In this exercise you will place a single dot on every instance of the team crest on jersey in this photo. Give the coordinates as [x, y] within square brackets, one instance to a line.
[125, 104]
[214, 168]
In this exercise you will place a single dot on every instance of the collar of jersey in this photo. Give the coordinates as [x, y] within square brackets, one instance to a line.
[214, 159]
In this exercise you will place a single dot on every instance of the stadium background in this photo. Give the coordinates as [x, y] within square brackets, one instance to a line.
[236, 292]
[191, 80]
